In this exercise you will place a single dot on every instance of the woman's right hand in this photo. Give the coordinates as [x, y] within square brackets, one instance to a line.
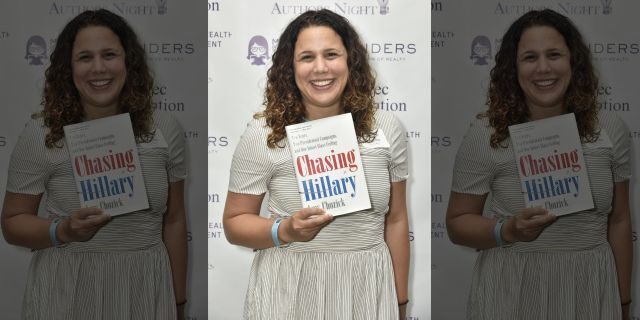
[303, 225]
[527, 224]
[82, 225]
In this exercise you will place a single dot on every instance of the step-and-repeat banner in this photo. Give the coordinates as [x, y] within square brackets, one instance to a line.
[460, 79]
[396, 35]
[172, 34]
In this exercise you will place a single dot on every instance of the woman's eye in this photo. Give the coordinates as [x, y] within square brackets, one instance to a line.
[332, 55]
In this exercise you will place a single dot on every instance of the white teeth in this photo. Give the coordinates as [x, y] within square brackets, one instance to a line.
[545, 83]
[99, 83]
[321, 83]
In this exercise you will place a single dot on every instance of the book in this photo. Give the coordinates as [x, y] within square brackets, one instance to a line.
[551, 164]
[328, 166]
[106, 165]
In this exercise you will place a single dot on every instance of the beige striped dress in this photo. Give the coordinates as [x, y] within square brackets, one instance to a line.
[345, 272]
[123, 272]
[569, 271]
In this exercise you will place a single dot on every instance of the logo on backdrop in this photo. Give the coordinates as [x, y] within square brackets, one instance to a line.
[342, 8]
[386, 104]
[162, 6]
[213, 198]
[635, 135]
[606, 6]
[436, 6]
[191, 135]
[413, 135]
[439, 38]
[160, 101]
[614, 51]
[390, 52]
[3, 141]
[216, 38]
[607, 101]
[384, 6]
[168, 52]
[438, 230]
[480, 50]
[123, 8]
[213, 6]
[567, 8]
[217, 143]
[216, 231]
[258, 51]
[4, 34]
[440, 144]
[36, 51]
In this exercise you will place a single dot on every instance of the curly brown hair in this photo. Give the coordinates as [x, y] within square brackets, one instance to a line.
[506, 99]
[282, 98]
[61, 99]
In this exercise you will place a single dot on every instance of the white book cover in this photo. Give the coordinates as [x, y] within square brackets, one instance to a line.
[551, 164]
[106, 165]
[328, 166]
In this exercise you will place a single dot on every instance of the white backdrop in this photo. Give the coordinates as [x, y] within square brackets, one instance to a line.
[399, 52]
[459, 86]
[177, 56]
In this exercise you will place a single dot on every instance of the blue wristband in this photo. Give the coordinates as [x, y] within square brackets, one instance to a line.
[52, 232]
[274, 232]
[497, 229]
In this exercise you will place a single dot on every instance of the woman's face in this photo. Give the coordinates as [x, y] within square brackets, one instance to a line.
[99, 70]
[544, 69]
[320, 67]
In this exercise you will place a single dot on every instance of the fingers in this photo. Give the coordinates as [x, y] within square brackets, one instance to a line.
[528, 223]
[528, 213]
[312, 217]
[83, 223]
[306, 223]
[89, 218]
[309, 212]
[83, 213]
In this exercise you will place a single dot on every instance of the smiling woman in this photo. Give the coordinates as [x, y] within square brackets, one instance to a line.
[353, 266]
[532, 264]
[87, 264]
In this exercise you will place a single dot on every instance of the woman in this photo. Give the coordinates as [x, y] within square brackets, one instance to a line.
[87, 264]
[534, 265]
[315, 266]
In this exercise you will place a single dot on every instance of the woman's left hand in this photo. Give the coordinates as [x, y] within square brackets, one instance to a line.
[180, 312]
[625, 312]
[403, 311]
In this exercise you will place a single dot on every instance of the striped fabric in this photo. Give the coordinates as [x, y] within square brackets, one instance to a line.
[345, 272]
[123, 272]
[568, 272]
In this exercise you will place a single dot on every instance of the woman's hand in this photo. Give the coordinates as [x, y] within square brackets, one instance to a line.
[527, 224]
[625, 312]
[180, 312]
[403, 311]
[303, 225]
[82, 225]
